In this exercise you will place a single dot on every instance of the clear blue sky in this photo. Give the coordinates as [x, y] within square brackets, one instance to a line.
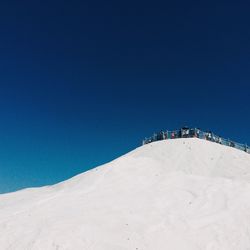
[82, 82]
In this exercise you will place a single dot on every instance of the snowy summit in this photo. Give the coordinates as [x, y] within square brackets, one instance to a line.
[182, 194]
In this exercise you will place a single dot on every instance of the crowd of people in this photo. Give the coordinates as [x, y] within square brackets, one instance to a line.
[186, 132]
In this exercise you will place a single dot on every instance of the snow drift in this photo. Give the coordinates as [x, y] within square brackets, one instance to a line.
[169, 195]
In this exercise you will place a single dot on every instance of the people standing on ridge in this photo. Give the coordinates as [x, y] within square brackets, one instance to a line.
[197, 133]
[172, 135]
[182, 134]
[205, 135]
[209, 136]
[192, 132]
[160, 136]
[220, 140]
[213, 138]
[186, 132]
[166, 135]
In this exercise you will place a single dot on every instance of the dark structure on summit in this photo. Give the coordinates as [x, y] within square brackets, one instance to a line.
[186, 132]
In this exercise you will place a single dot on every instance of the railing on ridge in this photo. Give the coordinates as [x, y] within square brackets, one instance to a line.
[195, 133]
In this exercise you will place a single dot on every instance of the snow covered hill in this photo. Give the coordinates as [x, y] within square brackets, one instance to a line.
[169, 195]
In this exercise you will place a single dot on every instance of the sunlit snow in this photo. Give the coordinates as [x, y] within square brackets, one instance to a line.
[183, 194]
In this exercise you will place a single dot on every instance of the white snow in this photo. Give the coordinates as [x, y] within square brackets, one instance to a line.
[183, 194]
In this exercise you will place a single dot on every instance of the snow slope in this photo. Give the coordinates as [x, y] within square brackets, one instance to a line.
[183, 194]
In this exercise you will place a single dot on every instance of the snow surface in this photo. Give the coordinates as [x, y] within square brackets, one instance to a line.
[183, 194]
